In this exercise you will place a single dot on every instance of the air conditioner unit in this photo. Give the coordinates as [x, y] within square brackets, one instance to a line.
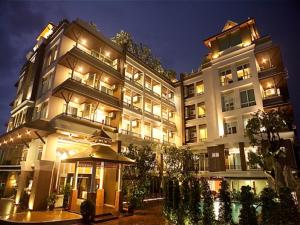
[112, 115]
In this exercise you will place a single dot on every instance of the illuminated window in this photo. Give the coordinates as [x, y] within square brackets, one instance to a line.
[200, 88]
[201, 110]
[228, 102]
[225, 77]
[215, 155]
[230, 127]
[247, 98]
[243, 72]
[202, 133]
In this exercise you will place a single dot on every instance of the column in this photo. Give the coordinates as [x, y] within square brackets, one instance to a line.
[242, 156]
[100, 190]
[118, 199]
[74, 191]
[92, 191]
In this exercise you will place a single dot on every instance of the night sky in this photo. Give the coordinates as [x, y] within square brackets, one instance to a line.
[174, 30]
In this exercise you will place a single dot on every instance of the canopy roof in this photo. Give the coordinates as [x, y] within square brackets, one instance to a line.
[99, 153]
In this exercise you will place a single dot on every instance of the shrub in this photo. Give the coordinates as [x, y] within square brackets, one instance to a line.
[247, 213]
[51, 200]
[288, 208]
[269, 210]
[225, 204]
[194, 206]
[66, 192]
[208, 207]
[87, 210]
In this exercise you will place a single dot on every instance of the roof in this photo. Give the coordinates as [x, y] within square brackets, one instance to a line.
[99, 153]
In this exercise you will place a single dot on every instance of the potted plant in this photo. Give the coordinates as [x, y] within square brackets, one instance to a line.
[51, 201]
[66, 192]
[87, 210]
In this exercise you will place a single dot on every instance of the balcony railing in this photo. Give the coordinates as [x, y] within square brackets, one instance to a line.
[132, 107]
[112, 63]
[190, 117]
[233, 167]
[130, 133]
[274, 100]
[75, 116]
[132, 81]
[153, 116]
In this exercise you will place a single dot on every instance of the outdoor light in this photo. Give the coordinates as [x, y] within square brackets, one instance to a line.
[83, 41]
[5, 142]
[105, 79]
[19, 135]
[76, 100]
[11, 139]
[28, 132]
[264, 60]
[80, 69]
[72, 152]
[107, 54]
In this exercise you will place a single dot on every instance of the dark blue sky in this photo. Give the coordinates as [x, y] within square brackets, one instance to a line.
[174, 30]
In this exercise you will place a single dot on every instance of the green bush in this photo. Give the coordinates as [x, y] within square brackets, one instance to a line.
[208, 204]
[288, 208]
[247, 213]
[87, 210]
[66, 192]
[225, 204]
[269, 212]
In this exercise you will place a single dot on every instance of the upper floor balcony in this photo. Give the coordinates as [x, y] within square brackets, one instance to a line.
[96, 93]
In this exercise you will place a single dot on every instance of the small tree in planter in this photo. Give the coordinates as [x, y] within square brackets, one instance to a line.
[24, 200]
[225, 201]
[269, 207]
[66, 192]
[288, 209]
[247, 213]
[208, 204]
[51, 200]
[87, 210]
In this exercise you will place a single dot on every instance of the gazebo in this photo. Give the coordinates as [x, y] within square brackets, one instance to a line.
[99, 156]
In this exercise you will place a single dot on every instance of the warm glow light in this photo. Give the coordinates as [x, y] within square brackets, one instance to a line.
[264, 60]
[269, 85]
[83, 41]
[246, 43]
[11, 139]
[105, 79]
[28, 132]
[216, 55]
[19, 135]
[76, 100]
[5, 142]
[72, 152]
[107, 54]
[102, 108]
[80, 69]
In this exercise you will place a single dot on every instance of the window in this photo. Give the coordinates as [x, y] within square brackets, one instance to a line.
[46, 82]
[201, 110]
[243, 72]
[227, 102]
[246, 118]
[52, 55]
[225, 77]
[215, 155]
[189, 91]
[247, 98]
[203, 161]
[233, 161]
[202, 133]
[72, 110]
[190, 112]
[191, 134]
[230, 127]
[44, 110]
[40, 152]
[199, 88]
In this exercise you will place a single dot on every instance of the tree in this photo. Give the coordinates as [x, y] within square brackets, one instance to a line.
[208, 204]
[225, 204]
[247, 213]
[269, 207]
[263, 129]
[137, 176]
[288, 209]
[194, 203]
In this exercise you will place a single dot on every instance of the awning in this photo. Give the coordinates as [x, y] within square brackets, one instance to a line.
[99, 153]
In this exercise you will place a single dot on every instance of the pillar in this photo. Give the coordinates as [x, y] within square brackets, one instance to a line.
[92, 191]
[118, 199]
[100, 190]
[74, 191]
[242, 156]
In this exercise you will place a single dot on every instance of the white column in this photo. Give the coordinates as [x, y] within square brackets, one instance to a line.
[101, 175]
[93, 179]
[119, 177]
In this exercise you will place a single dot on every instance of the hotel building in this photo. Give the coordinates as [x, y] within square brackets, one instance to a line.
[81, 99]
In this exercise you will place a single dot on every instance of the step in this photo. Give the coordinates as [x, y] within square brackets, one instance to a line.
[104, 218]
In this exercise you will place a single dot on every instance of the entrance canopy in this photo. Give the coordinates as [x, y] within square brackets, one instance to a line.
[99, 153]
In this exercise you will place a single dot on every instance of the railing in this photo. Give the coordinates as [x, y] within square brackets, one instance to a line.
[190, 117]
[273, 100]
[152, 115]
[127, 132]
[192, 140]
[103, 123]
[233, 167]
[100, 57]
[132, 107]
[134, 82]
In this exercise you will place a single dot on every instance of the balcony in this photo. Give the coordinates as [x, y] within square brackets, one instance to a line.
[75, 86]
[267, 72]
[75, 118]
[191, 140]
[97, 60]
[130, 133]
[273, 101]
[133, 82]
[132, 107]
[168, 122]
[152, 116]
[190, 117]
[233, 167]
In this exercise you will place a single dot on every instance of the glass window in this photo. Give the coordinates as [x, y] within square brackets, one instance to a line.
[202, 133]
[225, 77]
[44, 109]
[200, 88]
[243, 72]
[190, 112]
[247, 98]
[230, 127]
[191, 134]
[189, 91]
[201, 110]
[227, 102]
[46, 82]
